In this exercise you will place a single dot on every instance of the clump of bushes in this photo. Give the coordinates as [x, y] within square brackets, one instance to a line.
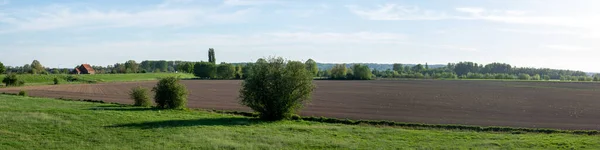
[12, 80]
[56, 81]
[170, 93]
[276, 89]
[22, 93]
[140, 96]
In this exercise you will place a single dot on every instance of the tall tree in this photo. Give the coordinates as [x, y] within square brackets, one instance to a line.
[36, 67]
[311, 66]
[211, 56]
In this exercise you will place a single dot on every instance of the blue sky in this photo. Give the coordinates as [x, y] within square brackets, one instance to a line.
[526, 33]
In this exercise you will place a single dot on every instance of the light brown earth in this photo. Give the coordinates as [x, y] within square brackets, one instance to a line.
[486, 103]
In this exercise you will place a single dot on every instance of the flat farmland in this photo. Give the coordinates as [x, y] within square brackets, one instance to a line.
[557, 105]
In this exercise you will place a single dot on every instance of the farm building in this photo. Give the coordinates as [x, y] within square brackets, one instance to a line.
[84, 69]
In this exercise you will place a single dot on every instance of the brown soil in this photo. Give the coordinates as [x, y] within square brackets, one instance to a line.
[485, 103]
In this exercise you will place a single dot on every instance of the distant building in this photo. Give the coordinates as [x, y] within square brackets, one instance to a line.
[84, 69]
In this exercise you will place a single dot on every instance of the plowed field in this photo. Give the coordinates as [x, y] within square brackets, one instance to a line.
[486, 103]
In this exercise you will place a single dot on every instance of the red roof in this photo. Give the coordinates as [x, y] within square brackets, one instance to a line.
[87, 67]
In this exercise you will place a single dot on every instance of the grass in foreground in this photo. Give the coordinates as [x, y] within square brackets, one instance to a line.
[39, 79]
[42, 123]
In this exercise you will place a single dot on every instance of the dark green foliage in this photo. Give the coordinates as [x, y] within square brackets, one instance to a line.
[311, 66]
[239, 74]
[276, 89]
[418, 68]
[361, 72]
[140, 96]
[338, 71]
[170, 93]
[56, 81]
[2, 68]
[205, 70]
[398, 68]
[226, 71]
[12, 80]
[211, 56]
[524, 76]
[22, 93]
[131, 66]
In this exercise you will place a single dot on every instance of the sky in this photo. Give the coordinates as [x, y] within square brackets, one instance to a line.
[557, 34]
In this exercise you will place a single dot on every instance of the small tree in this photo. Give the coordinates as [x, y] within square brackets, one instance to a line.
[311, 66]
[546, 77]
[56, 81]
[276, 89]
[238, 72]
[205, 70]
[536, 77]
[23, 93]
[362, 72]
[12, 80]
[338, 71]
[226, 71]
[140, 96]
[170, 93]
[524, 76]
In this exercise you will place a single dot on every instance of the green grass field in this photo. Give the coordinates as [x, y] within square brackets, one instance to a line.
[42, 123]
[33, 79]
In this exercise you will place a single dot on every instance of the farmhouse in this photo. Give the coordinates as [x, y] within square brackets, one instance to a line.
[84, 69]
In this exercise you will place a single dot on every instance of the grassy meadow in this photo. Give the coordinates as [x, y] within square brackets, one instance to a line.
[43, 123]
[40, 79]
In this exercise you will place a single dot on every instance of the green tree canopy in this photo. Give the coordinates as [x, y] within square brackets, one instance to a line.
[338, 71]
[311, 66]
[205, 70]
[225, 71]
[361, 72]
[276, 89]
[36, 67]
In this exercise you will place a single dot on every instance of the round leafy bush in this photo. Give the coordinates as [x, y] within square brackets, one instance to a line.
[276, 89]
[170, 93]
[140, 96]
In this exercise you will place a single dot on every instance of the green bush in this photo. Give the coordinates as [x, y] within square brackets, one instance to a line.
[140, 96]
[22, 93]
[56, 81]
[170, 93]
[12, 80]
[276, 89]
[205, 70]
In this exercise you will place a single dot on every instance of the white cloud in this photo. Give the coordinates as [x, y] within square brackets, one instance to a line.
[397, 12]
[567, 48]
[60, 17]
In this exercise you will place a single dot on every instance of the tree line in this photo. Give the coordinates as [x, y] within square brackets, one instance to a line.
[212, 70]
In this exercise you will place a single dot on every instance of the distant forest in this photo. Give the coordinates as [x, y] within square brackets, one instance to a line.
[351, 71]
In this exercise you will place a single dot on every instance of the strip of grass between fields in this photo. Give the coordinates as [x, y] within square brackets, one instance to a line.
[389, 123]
